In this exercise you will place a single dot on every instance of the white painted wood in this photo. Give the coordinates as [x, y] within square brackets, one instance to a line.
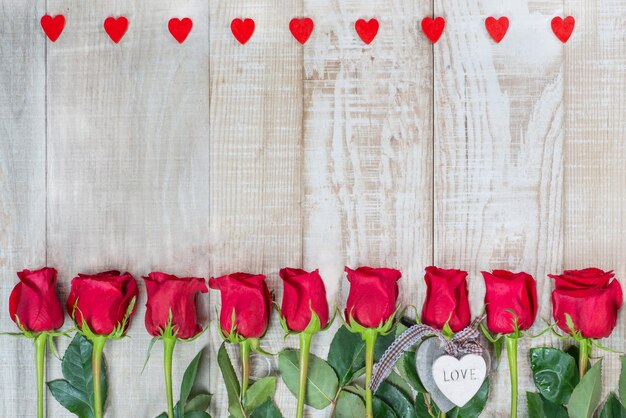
[22, 187]
[595, 152]
[498, 155]
[128, 167]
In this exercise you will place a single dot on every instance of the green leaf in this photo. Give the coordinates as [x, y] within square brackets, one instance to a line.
[425, 407]
[406, 365]
[230, 380]
[540, 407]
[475, 406]
[622, 379]
[381, 409]
[613, 408]
[259, 392]
[189, 378]
[586, 396]
[392, 396]
[349, 405]
[200, 402]
[398, 382]
[267, 410]
[322, 382]
[75, 392]
[197, 414]
[554, 372]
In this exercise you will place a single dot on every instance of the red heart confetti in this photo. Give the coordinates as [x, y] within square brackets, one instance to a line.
[116, 27]
[180, 28]
[367, 30]
[242, 29]
[497, 28]
[301, 29]
[433, 28]
[53, 26]
[563, 28]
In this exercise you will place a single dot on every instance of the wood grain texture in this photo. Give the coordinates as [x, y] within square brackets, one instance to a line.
[367, 146]
[595, 151]
[128, 167]
[22, 186]
[498, 154]
[256, 159]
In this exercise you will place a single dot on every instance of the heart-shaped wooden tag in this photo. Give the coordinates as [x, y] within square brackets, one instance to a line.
[563, 28]
[180, 28]
[497, 28]
[459, 379]
[301, 29]
[116, 28]
[242, 29]
[53, 26]
[367, 30]
[433, 28]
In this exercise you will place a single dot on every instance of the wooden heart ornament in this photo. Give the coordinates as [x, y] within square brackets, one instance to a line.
[433, 28]
[497, 28]
[116, 27]
[366, 29]
[459, 379]
[563, 28]
[301, 29]
[242, 29]
[53, 26]
[180, 28]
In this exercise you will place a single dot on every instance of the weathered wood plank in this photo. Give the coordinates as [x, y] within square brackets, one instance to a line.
[256, 163]
[128, 158]
[595, 151]
[22, 185]
[367, 146]
[498, 153]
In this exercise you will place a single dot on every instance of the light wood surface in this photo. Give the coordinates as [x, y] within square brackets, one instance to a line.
[211, 157]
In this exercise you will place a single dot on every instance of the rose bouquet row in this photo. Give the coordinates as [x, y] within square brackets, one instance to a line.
[585, 305]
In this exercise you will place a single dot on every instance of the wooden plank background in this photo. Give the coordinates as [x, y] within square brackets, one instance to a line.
[211, 157]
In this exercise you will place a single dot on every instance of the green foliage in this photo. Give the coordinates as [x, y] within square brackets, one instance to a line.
[349, 405]
[540, 407]
[613, 408]
[259, 393]
[322, 382]
[554, 372]
[586, 396]
[401, 405]
[75, 391]
[475, 406]
[267, 410]
[622, 380]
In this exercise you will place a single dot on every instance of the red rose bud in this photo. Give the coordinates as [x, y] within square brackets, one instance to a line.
[510, 296]
[303, 292]
[446, 299]
[249, 298]
[173, 298]
[590, 298]
[101, 301]
[34, 301]
[373, 295]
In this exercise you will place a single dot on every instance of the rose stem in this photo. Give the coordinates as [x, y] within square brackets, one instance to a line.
[305, 347]
[40, 356]
[96, 366]
[168, 349]
[245, 366]
[511, 351]
[369, 336]
[583, 356]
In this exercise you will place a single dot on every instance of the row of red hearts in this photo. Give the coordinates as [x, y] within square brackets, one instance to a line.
[302, 28]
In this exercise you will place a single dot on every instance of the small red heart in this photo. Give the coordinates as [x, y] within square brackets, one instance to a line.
[497, 28]
[563, 28]
[242, 29]
[367, 30]
[301, 29]
[180, 28]
[116, 27]
[53, 26]
[433, 28]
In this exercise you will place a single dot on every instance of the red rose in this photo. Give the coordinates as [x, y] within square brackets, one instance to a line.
[303, 292]
[170, 294]
[446, 299]
[100, 301]
[34, 301]
[590, 298]
[509, 296]
[373, 295]
[249, 298]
